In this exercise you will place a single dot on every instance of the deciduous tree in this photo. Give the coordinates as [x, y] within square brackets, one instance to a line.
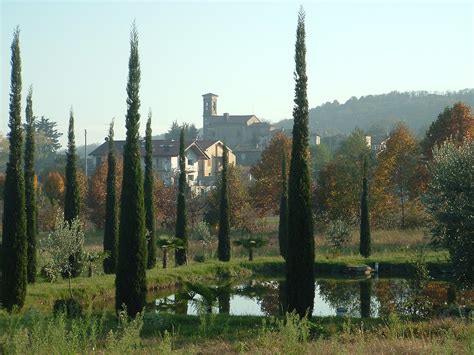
[266, 190]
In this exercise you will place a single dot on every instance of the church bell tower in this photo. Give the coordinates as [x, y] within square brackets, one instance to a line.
[209, 109]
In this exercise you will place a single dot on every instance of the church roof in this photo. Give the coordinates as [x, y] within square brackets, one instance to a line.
[161, 147]
[235, 119]
[210, 94]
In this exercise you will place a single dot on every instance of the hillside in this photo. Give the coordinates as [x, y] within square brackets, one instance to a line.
[378, 113]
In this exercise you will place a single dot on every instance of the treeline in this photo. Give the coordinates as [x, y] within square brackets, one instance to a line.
[377, 114]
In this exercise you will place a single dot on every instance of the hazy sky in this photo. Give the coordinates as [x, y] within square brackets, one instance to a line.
[76, 53]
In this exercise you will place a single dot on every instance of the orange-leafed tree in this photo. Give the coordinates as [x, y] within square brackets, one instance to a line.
[96, 194]
[455, 123]
[396, 186]
[54, 186]
[266, 191]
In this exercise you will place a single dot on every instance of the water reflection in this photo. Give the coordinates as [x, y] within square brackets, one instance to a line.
[359, 298]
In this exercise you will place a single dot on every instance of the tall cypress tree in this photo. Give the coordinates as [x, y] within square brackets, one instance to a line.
[181, 229]
[283, 223]
[223, 243]
[72, 201]
[148, 190]
[365, 242]
[14, 242]
[130, 281]
[30, 193]
[111, 208]
[300, 259]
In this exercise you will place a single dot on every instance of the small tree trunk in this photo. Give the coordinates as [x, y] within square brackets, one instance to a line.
[69, 281]
[89, 271]
[165, 258]
[250, 254]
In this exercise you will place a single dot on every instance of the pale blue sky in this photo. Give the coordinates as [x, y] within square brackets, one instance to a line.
[76, 53]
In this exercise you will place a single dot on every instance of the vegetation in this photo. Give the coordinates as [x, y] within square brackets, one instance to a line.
[365, 247]
[283, 221]
[174, 132]
[14, 238]
[111, 209]
[338, 234]
[377, 114]
[455, 123]
[250, 243]
[149, 194]
[300, 258]
[30, 189]
[169, 243]
[266, 190]
[181, 228]
[223, 246]
[449, 199]
[72, 201]
[65, 240]
[131, 267]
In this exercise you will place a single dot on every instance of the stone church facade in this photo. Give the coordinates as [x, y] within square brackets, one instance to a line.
[246, 135]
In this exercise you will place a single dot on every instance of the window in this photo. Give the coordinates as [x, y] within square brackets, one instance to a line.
[190, 177]
[190, 162]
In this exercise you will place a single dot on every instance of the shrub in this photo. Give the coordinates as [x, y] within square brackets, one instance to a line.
[70, 307]
[338, 234]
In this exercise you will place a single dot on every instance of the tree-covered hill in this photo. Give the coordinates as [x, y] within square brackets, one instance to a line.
[378, 113]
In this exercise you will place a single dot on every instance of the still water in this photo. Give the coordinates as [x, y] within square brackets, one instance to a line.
[355, 298]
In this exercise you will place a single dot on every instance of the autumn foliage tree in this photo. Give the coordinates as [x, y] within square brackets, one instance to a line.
[266, 190]
[396, 186]
[455, 123]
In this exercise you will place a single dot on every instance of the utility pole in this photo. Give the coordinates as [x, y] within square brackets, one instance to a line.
[85, 148]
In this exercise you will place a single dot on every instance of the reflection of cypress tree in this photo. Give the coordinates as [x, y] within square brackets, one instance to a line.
[181, 302]
[365, 295]
[283, 300]
[300, 256]
[224, 302]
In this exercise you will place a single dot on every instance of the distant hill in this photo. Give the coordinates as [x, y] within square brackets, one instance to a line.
[376, 114]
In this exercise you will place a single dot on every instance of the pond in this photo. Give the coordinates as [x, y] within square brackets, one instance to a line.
[355, 298]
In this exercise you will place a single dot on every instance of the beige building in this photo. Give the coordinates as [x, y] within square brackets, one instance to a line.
[203, 160]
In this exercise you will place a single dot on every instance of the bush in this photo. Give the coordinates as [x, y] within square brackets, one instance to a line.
[339, 234]
[70, 307]
[199, 258]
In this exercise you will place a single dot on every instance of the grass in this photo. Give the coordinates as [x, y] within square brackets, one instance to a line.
[163, 334]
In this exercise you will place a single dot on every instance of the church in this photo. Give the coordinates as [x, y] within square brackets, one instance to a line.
[246, 135]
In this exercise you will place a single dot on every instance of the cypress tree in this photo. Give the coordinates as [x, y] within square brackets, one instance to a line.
[300, 258]
[30, 193]
[223, 243]
[130, 281]
[364, 246]
[14, 242]
[148, 190]
[111, 208]
[181, 230]
[72, 201]
[283, 223]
